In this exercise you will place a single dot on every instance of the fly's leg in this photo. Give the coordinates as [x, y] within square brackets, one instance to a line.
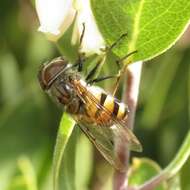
[119, 76]
[81, 56]
[109, 48]
[100, 63]
[81, 59]
[117, 41]
[119, 62]
[82, 34]
[121, 71]
[92, 72]
[91, 76]
[101, 79]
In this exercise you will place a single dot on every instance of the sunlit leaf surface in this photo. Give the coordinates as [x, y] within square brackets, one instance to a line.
[143, 169]
[151, 26]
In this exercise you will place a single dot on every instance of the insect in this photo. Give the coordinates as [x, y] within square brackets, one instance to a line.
[98, 114]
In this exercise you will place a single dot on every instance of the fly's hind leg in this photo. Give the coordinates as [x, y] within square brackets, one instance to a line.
[92, 77]
[118, 62]
[122, 70]
[94, 72]
[109, 48]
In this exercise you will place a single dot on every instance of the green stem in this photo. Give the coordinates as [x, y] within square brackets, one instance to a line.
[172, 169]
[180, 158]
[130, 97]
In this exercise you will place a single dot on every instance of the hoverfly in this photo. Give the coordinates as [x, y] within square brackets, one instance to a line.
[98, 114]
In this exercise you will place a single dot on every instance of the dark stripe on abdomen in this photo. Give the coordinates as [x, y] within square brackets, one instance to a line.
[102, 100]
[115, 109]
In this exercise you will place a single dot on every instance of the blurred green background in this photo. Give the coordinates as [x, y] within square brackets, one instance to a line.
[29, 120]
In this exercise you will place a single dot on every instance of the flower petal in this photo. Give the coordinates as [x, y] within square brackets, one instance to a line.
[55, 16]
[92, 40]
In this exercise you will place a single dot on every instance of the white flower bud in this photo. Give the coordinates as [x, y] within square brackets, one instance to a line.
[55, 16]
[92, 40]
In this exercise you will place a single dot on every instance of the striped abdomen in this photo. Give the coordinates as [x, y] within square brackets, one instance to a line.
[112, 107]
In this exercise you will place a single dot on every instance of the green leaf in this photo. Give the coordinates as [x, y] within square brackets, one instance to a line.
[174, 167]
[67, 179]
[10, 79]
[65, 129]
[28, 173]
[84, 162]
[6, 173]
[24, 176]
[152, 26]
[142, 170]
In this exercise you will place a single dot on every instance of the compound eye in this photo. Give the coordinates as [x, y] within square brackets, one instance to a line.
[49, 72]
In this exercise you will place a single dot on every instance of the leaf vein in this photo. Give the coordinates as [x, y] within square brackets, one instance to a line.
[136, 27]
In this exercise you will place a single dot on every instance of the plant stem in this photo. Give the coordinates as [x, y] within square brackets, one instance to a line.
[130, 97]
[172, 169]
[131, 94]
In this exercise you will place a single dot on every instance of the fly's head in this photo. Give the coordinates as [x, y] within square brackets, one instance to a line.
[58, 78]
[51, 71]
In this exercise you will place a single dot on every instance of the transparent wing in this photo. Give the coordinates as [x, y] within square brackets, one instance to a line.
[103, 140]
[119, 129]
[106, 137]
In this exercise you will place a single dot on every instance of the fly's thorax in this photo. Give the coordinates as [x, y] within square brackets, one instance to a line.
[63, 90]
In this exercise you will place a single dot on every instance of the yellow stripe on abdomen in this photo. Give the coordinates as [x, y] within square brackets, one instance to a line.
[109, 103]
[92, 107]
[123, 111]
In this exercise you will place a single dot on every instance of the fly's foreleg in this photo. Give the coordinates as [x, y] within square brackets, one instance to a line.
[81, 56]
